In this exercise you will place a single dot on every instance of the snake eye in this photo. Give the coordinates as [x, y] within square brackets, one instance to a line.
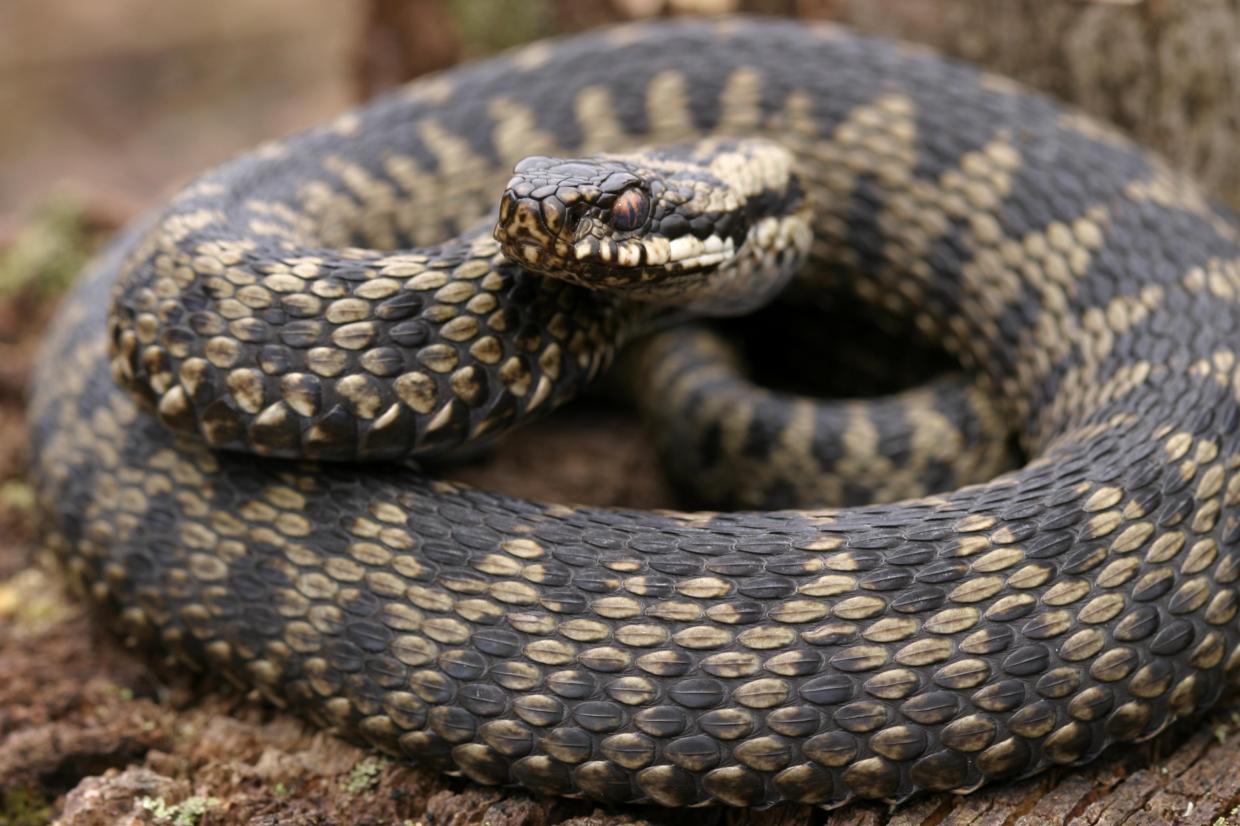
[630, 210]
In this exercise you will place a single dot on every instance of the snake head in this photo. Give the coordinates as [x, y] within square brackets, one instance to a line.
[716, 226]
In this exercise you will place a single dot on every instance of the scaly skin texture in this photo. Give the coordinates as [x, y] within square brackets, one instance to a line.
[1087, 599]
[728, 443]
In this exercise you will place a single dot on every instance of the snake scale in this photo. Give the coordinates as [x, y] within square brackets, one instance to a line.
[301, 301]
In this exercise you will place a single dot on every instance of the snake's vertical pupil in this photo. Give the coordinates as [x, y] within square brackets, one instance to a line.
[630, 210]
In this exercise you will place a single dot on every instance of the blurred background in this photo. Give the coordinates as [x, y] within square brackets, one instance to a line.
[106, 106]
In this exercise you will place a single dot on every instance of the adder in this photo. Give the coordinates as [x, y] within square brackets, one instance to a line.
[346, 294]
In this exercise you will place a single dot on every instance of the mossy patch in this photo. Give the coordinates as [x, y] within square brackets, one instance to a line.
[24, 807]
[365, 774]
[49, 251]
[186, 813]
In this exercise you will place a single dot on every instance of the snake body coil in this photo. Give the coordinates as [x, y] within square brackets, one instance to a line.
[747, 658]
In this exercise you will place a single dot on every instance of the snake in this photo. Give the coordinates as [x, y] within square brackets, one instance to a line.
[729, 443]
[206, 398]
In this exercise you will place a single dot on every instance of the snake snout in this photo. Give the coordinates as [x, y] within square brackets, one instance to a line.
[527, 227]
[547, 198]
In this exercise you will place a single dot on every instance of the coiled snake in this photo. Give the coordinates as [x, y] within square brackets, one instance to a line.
[299, 301]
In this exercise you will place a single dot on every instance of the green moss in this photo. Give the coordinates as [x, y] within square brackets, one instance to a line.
[491, 25]
[17, 494]
[24, 807]
[364, 774]
[123, 693]
[49, 250]
[186, 813]
[31, 600]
